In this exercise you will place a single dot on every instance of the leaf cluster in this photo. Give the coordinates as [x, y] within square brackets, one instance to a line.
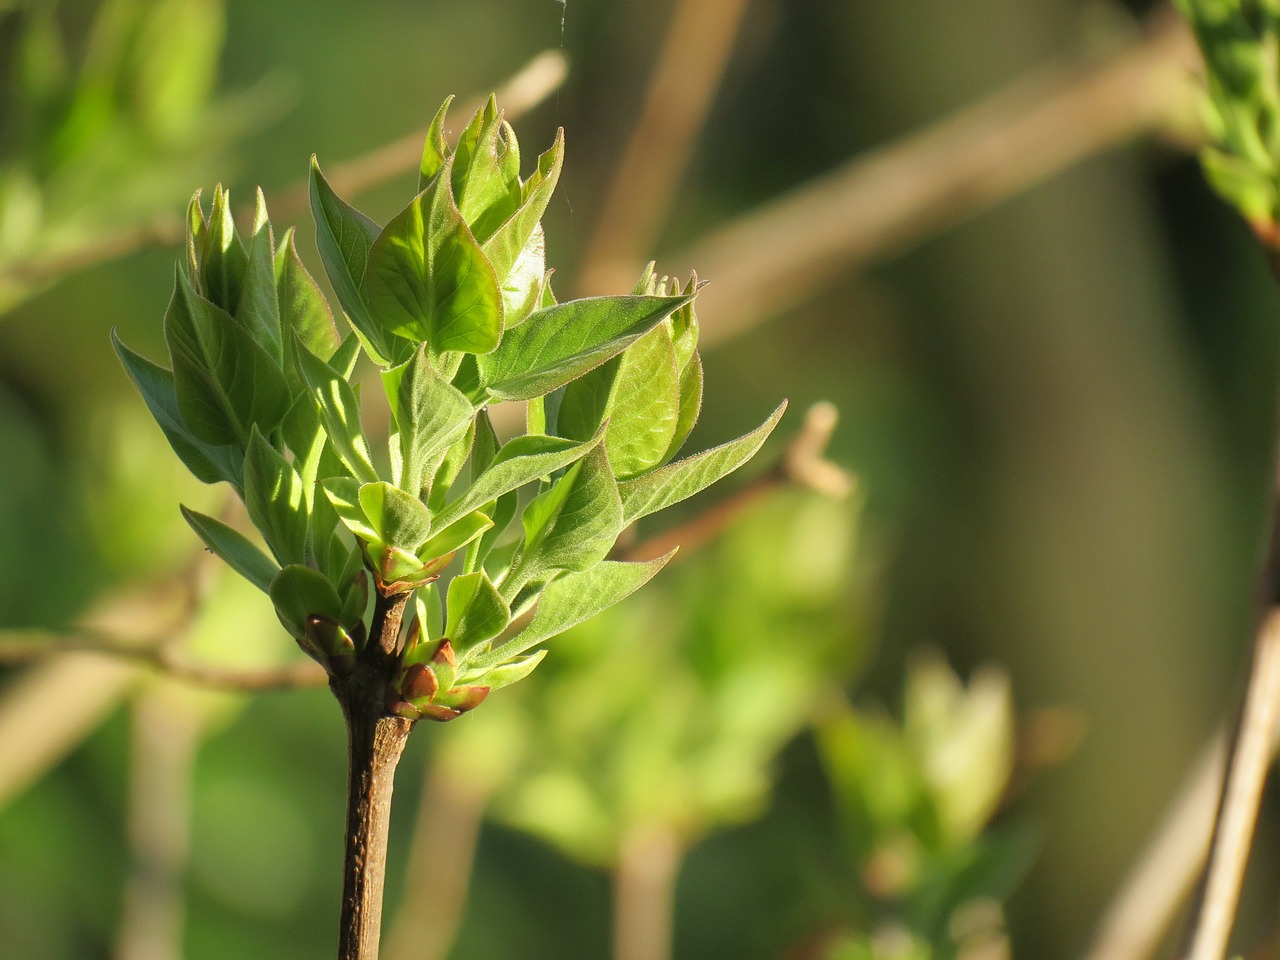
[1240, 40]
[502, 544]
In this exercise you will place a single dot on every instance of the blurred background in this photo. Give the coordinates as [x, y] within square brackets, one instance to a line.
[978, 229]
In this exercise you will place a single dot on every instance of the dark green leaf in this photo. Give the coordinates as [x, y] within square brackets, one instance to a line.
[300, 592]
[344, 237]
[225, 381]
[209, 463]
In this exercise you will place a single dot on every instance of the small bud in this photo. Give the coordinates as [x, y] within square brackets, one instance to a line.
[419, 683]
[463, 699]
[441, 714]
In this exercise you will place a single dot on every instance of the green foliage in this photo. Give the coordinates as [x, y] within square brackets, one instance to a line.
[105, 131]
[668, 710]
[450, 302]
[1240, 40]
[914, 799]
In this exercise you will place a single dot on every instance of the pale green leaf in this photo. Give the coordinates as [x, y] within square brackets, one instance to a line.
[274, 498]
[678, 481]
[559, 343]
[573, 598]
[428, 281]
[399, 519]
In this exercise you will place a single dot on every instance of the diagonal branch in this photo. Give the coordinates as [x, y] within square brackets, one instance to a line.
[525, 89]
[885, 201]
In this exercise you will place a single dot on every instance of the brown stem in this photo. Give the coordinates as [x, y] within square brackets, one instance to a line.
[375, 741]
[644, 894]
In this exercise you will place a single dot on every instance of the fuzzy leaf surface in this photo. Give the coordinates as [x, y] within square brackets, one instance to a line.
[562, 342]
[239, 553]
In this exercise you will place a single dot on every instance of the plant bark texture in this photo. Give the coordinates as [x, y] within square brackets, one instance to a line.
[375, 742]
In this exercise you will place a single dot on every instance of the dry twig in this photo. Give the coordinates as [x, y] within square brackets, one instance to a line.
[886, 201]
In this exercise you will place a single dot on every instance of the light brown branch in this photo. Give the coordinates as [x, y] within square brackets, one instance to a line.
[532, 84]
[682, 87]
[644, 887]
[166, 734]
[1250, 759]
[441, 857]
[884, 202]
[34, 646]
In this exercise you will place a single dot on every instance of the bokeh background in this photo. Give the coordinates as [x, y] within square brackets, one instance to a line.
[1057, 397]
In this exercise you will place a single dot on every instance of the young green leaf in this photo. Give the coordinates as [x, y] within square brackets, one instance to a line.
[257, 307]
[209, 463]
[344, 237]
[486, 194]
[303, 311]
[222, 257]
[434, 150]
[454, 537]
[399, 519]
[232, 546]
[678, 481]
[572, 525]
[559, 343]
[507, 674]
[520, 461]
[300, 592]
[477, 612]
[225, 381]
[690, 405]
[339, 410]
[274, 497]
[427, 279]
[511, 240]
[571, 599]
[343, 493]
[429, 414]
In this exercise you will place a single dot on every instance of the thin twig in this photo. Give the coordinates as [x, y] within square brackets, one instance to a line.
[32, 646]
[528, 87]
[886, 201]
[1139, 913]
[695, 51]
[1250, 759]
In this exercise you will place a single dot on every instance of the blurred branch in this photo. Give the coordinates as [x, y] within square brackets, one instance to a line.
[532, 84]
[1139, 914]
[801, 464]
[441, 856]
[644, 882]
[27, 646]
[166, 734]
[1250, 758]
[886, 201]
[695, 51]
